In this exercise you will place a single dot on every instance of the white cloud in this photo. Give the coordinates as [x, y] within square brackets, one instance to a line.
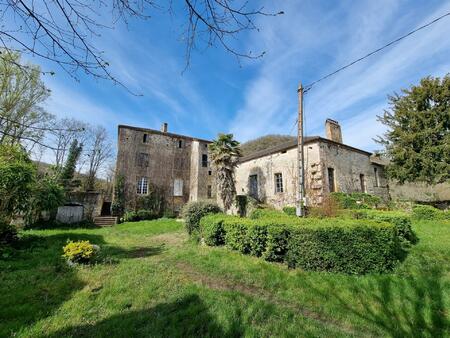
[302, 41]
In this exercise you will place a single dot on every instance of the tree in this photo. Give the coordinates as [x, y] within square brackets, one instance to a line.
[225, 153]
[22, 118]
[47, 195]
[417, 140]
[64, 132]
[17, 174]
[68, 171]
[98, 155]
[264, 142]
[63, 31]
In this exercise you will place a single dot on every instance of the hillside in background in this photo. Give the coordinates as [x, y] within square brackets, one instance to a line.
[264, 142]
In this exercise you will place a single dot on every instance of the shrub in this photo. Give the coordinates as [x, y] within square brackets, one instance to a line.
[339, 245]
[266, 213]
[356, 200]
[143, 215]
[368, 247]
[236, 234]
[290, 211]
[8, 233]
[426, 212]
[80, 251]
[212, 229]
[130, 216]
[328, 208]
[399, 219]
[194, 211]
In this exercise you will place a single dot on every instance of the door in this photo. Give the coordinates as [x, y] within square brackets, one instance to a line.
[253, 186]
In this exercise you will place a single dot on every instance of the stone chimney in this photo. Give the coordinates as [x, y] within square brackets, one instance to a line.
[333, 130]
[164, 127]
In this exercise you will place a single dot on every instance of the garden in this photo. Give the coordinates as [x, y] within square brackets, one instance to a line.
[363, 272]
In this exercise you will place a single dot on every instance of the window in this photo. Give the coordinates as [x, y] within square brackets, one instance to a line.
[278, 182]
[209, 194]
[209, 172]
[142, 186]
[180, 144]
[144, 138]
[142, 160]
[178, 187]
[377, 180]
[331, 186]
[362, 181]
[204, 160]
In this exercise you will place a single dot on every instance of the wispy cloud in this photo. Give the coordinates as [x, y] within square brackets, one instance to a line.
[304, 46]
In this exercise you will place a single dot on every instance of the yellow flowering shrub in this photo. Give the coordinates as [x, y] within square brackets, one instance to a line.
[80, 251]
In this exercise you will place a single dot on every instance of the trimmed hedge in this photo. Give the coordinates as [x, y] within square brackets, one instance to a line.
[338, 245]
[400, 220]
[356, 250]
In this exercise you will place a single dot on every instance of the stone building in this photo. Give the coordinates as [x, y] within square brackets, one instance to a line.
[178, 165]
[330, 165]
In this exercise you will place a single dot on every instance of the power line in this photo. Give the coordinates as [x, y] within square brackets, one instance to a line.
[308, 87]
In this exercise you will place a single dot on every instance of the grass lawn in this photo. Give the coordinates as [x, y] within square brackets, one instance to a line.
[152, 281]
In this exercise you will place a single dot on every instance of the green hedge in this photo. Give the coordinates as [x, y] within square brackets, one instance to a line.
[399, 219]
[356, 250]
[291, 211]
[428, 212]
[338, 245]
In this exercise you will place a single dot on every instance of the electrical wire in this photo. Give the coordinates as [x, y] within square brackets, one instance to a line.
[309, 86]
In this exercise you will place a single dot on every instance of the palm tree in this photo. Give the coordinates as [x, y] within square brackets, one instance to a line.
[225, 153]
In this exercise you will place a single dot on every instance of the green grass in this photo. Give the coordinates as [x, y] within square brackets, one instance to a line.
[152, 281]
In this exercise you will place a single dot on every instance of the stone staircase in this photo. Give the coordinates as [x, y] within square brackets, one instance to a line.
[105, 221]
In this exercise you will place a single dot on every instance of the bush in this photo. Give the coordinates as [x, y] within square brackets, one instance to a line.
[399, 219]
[212, 229]
[194, 211]
[267, 213]
[290, 211]
[356, 200]
[8, 233]
[80, 252]
[338, 245]
[426, 212]
[328, 208]
[143, 215]
[130, 216]
[368, 247]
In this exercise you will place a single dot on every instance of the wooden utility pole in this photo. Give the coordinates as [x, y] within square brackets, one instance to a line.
[300, 158]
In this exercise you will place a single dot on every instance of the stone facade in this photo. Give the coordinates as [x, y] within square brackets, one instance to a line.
[178, 165]
[329, 166]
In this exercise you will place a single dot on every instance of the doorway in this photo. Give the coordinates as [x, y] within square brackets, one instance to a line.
[106, 209]
[253, 186]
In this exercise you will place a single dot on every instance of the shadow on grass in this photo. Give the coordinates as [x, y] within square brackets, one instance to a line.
[35, 280]
[187, 317]
[408, 304]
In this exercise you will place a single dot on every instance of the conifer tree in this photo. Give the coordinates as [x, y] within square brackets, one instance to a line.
[417, 140]
[68, 171]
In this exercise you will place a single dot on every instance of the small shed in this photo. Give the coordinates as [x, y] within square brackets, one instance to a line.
[70, 213]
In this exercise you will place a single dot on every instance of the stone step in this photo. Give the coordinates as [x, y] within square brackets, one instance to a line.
[105, 221]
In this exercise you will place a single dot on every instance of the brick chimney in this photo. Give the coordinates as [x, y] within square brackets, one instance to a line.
[164, 127]
[333, 130]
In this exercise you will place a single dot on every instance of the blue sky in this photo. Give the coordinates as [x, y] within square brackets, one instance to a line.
[252, 98]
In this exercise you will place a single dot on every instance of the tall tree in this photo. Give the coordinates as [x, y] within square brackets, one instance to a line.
[65, 131]
[68, 171]
[417, 140]
[64, 31]
[225, 153]
[99, 154]
[22, 117]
